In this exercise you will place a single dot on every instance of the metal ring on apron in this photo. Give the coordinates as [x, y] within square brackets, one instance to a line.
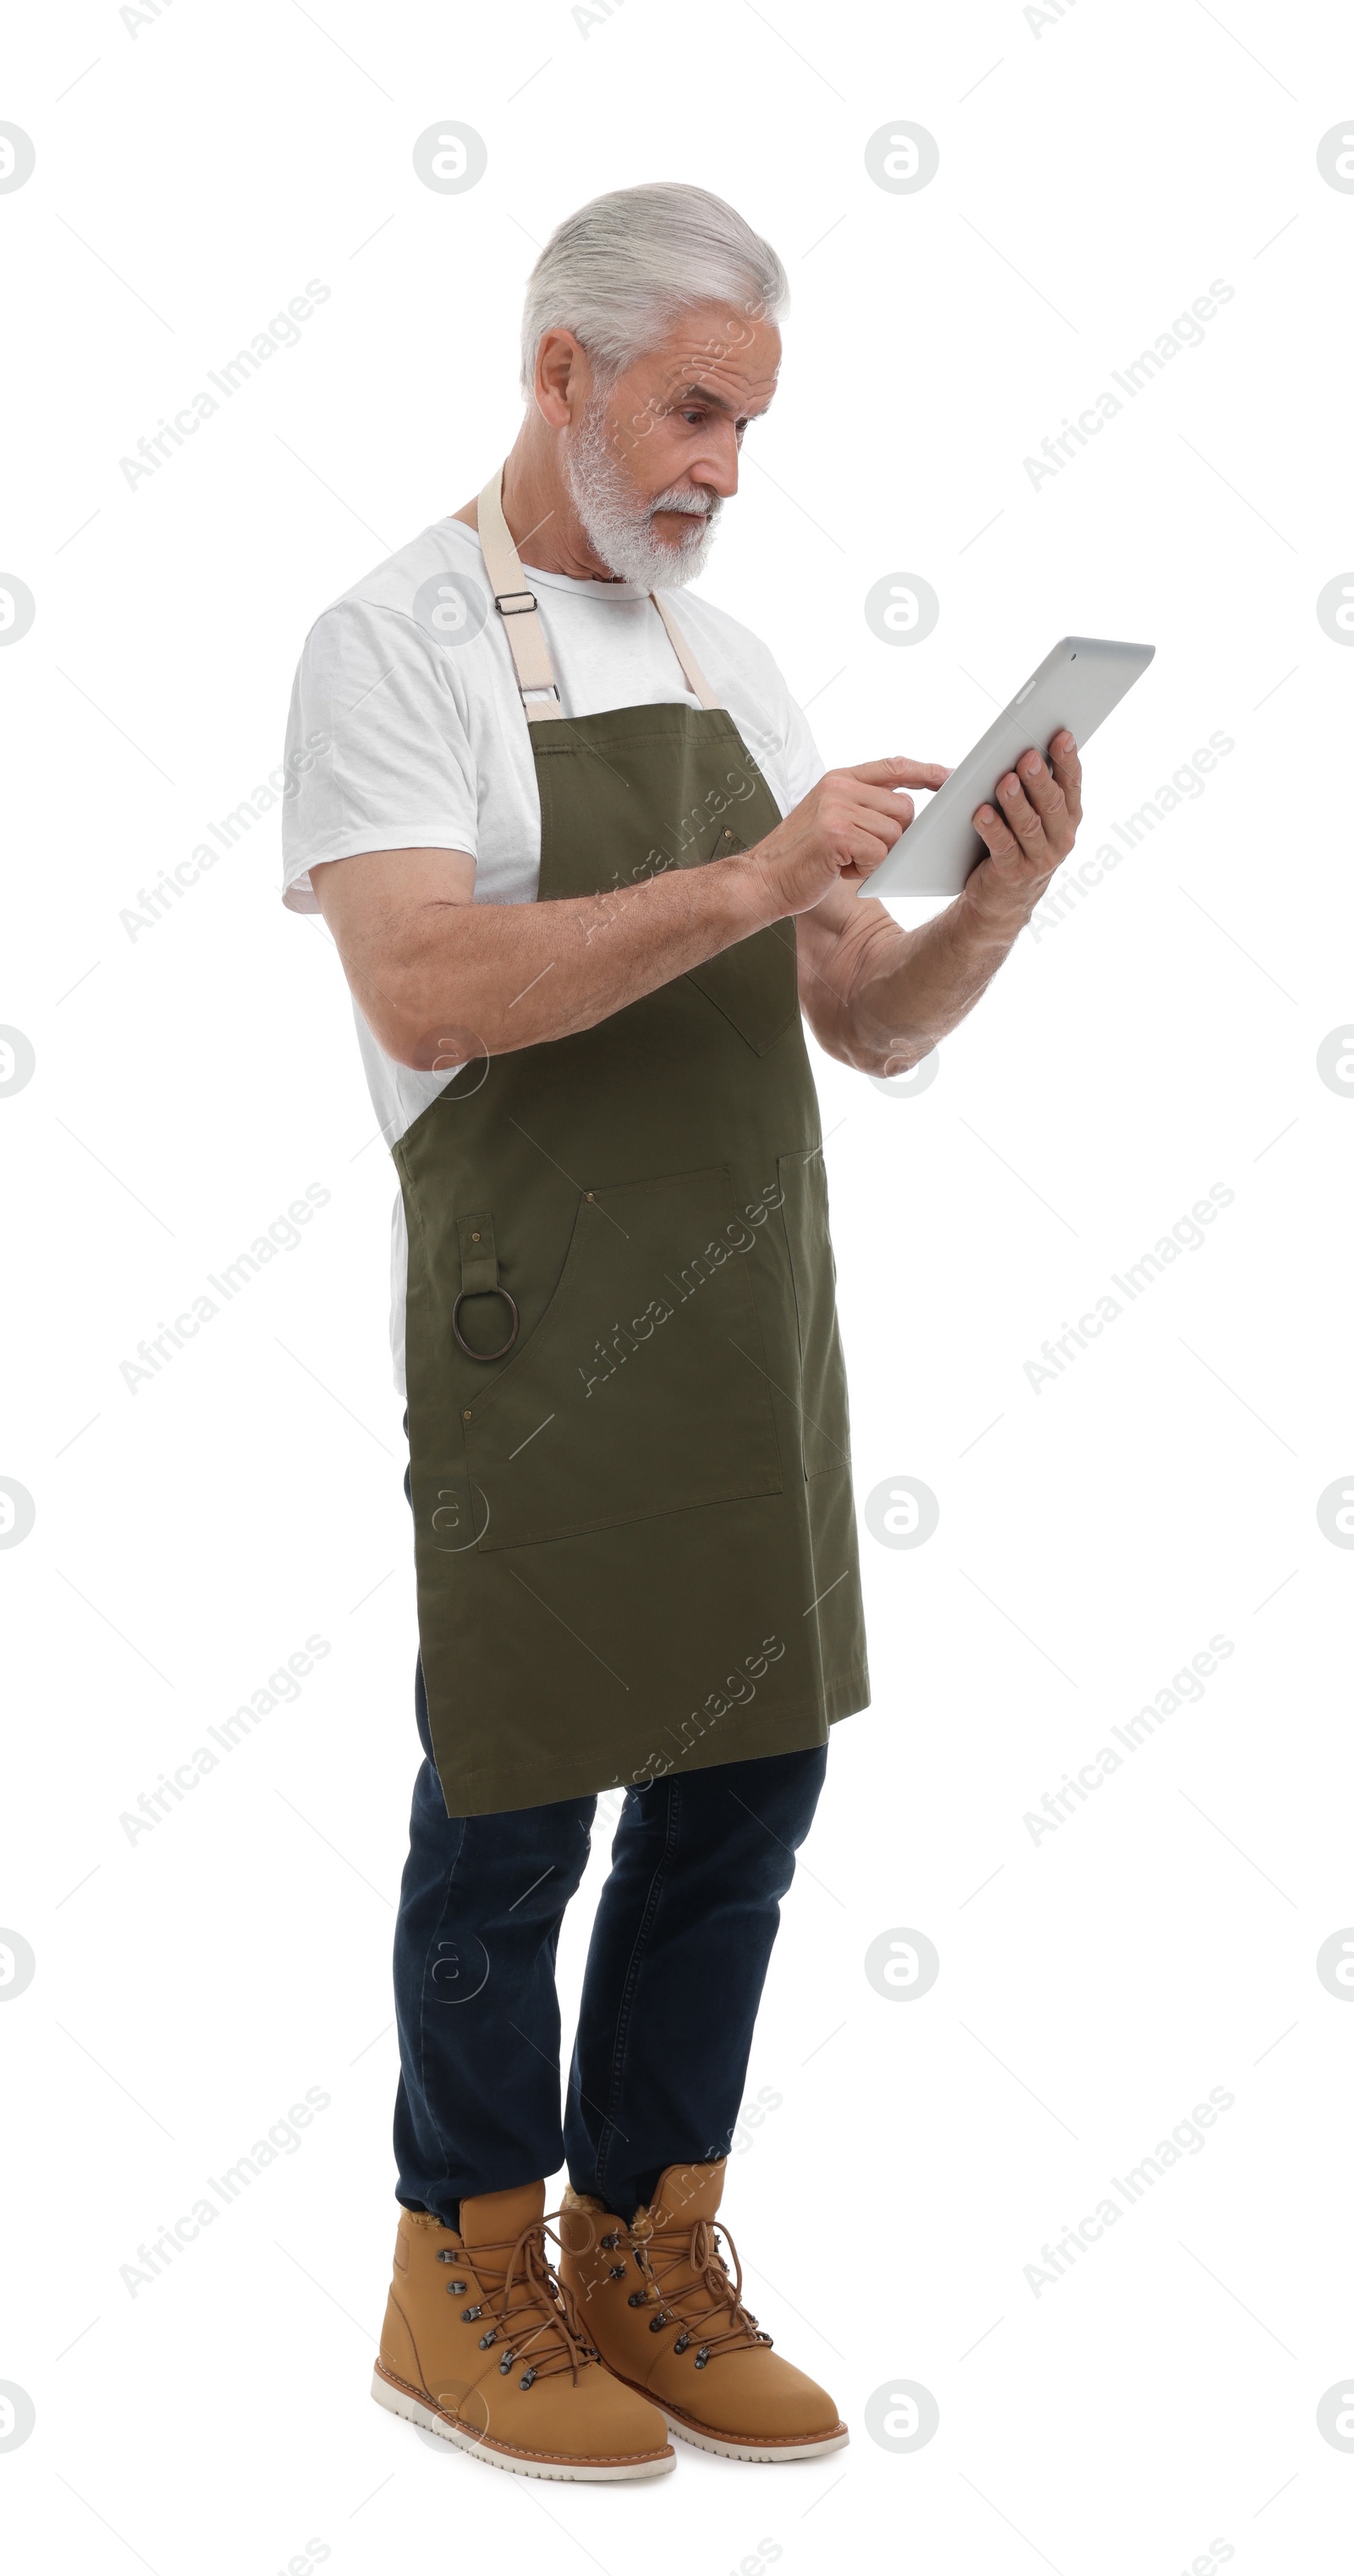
[468, 1347]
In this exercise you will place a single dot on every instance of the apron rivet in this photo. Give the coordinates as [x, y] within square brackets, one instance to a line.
[590, 1194]
[465, 1417]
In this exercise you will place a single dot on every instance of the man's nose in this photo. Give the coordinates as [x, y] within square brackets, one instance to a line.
[715, 470]
[723, 480]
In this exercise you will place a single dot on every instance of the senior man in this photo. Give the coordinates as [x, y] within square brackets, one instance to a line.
[587, 879]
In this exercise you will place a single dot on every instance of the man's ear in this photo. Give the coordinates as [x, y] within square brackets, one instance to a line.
[561, 373]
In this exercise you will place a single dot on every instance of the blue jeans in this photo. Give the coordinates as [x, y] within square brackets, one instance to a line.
[674, 1976]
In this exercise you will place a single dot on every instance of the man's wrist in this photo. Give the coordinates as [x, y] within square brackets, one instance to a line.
[994, 924]
[751, 882]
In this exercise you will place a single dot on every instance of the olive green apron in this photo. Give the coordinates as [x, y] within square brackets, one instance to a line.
[629, 1449]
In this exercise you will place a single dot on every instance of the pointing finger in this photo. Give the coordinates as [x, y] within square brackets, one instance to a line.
[899, 772]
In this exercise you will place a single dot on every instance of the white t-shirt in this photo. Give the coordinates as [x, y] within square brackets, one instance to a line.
[407, 732]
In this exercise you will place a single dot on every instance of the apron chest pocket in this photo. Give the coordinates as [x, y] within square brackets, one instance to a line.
[756, 982]
[642, 1390]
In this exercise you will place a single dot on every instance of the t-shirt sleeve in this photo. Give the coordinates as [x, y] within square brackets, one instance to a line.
[783, 743]
[804, 762]
[377, 755]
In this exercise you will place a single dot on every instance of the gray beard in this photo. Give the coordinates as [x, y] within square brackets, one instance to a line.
[619, 527]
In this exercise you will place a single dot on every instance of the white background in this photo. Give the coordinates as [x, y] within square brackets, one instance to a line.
[1096, 174]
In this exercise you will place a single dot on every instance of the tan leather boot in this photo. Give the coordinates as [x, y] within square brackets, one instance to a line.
[666, 2315]
[481, 2346]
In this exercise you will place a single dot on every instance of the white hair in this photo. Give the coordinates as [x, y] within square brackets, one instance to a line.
[620, 271]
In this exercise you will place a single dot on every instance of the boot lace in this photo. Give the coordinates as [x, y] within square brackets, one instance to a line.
[708, 2304]
[528, 2311]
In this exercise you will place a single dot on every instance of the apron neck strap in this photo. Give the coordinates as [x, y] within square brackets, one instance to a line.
[692, 673]
[516, 605]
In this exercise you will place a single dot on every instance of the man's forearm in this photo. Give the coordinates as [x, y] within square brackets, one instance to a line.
[516, 975]
[911, 988]
[881, 998]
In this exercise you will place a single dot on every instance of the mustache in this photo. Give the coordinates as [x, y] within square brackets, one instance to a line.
[692, 505]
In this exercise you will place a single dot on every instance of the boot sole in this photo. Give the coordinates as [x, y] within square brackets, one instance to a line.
[729, 2448]
[727, 2445]
[402, 2400]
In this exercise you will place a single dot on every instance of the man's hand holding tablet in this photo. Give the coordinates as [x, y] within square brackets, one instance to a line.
[1003, 782]
[1027, 830]
[995, 832]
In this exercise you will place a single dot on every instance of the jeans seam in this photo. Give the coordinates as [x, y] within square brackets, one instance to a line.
[636, 1960]
[423, 2001]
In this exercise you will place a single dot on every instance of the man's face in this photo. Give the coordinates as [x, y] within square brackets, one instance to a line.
[656, 450]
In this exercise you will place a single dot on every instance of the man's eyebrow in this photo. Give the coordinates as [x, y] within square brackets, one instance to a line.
[706, 394]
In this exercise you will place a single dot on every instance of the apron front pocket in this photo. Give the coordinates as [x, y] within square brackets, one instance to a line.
[824, 1422]
[642, 1390]
[755, 984]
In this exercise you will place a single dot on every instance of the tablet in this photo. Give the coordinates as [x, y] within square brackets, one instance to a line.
[1076, 685]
